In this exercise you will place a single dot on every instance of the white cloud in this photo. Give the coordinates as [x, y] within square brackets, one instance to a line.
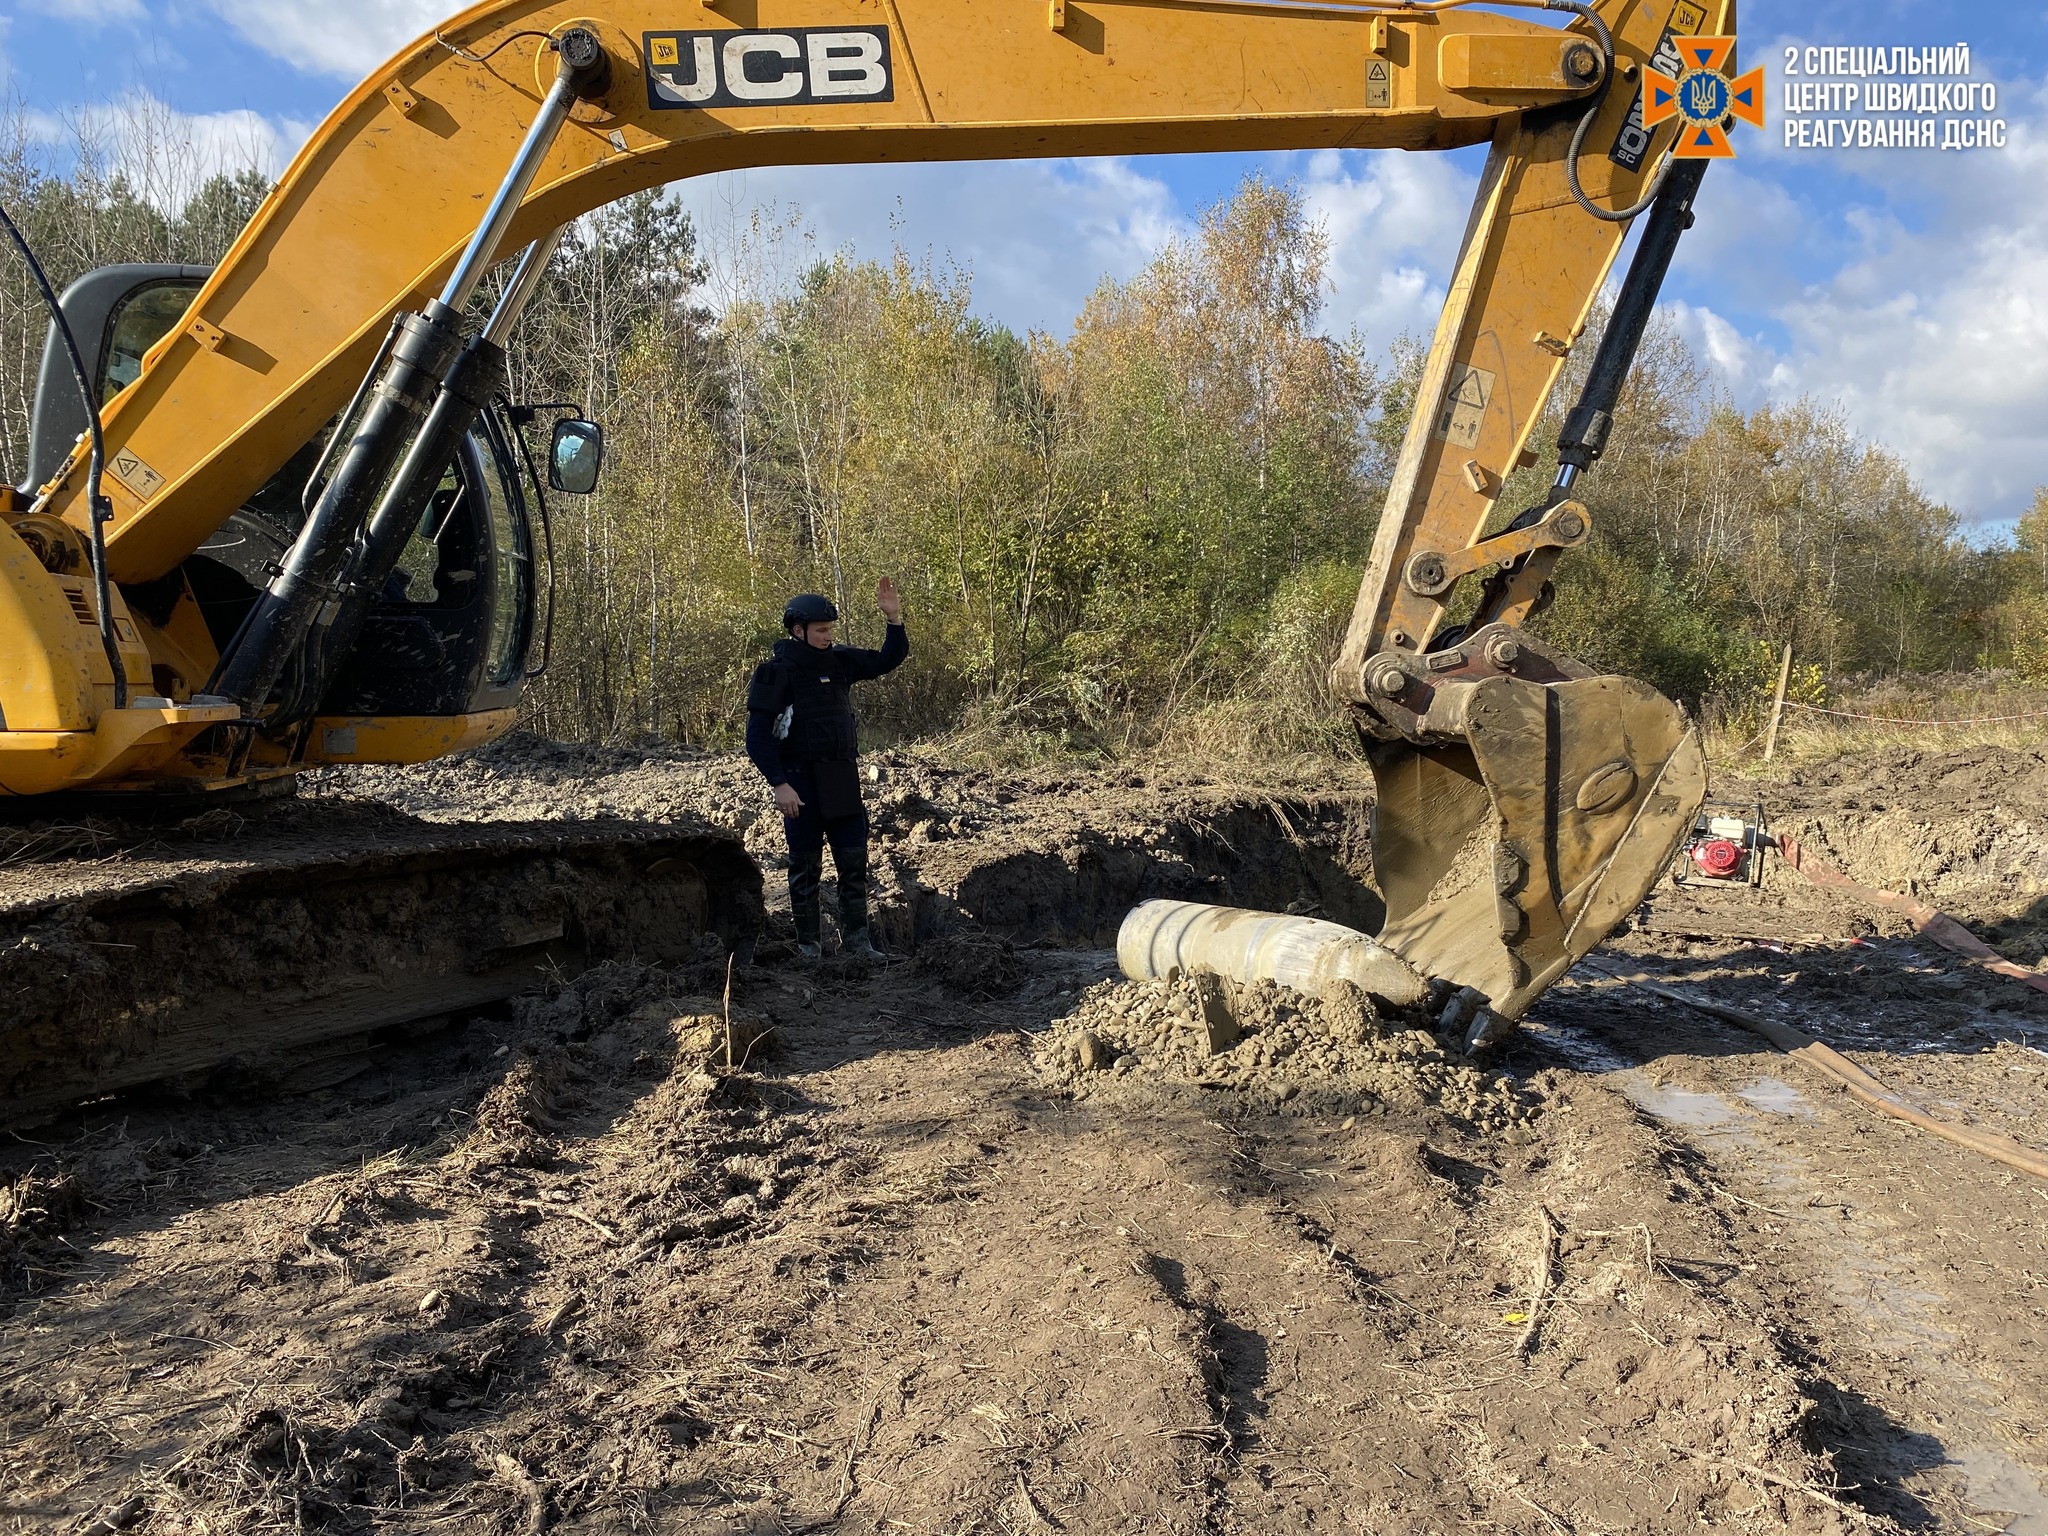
[1037, 235]
[1747, 232]
[1932, 335]
[1394, 221]
[343, 40]
[1751, 370]
[166, 154]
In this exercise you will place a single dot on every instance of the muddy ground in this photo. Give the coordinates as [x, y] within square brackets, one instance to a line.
[865, 1249]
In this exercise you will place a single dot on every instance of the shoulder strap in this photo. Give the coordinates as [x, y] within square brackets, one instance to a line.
[769, 689]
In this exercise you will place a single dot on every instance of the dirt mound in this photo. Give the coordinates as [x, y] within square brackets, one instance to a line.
[877, 1284]
[1966, 830]
[1928, 779]
[1333, 1054]
[524, 777]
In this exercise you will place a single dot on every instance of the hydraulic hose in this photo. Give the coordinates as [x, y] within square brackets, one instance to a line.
[1578, 145]
[102, 510]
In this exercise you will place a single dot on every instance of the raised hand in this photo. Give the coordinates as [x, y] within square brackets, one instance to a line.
[889, 600]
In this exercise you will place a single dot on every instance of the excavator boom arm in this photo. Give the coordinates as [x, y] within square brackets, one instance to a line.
[375, 210]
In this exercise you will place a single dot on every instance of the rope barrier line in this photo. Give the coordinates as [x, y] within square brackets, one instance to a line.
[1844, 714]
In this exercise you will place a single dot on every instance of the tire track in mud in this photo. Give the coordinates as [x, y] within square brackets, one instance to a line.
[1857, 1225]
[969, 1305]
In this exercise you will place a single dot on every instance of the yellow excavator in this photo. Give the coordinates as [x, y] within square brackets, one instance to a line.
[301, 527]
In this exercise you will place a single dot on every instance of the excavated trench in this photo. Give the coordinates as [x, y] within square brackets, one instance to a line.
[286, 953]
[285, 944]
[1303, 854]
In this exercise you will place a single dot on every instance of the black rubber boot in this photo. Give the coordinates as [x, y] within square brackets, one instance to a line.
[809, 918]
[854, 938]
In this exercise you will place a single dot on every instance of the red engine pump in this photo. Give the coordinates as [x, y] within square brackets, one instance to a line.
[1726, 846]
[1717, 857]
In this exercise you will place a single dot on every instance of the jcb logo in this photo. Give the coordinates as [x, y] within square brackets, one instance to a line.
[758, 69]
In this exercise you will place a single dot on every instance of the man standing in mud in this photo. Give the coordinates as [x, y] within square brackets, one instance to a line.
[802, 735]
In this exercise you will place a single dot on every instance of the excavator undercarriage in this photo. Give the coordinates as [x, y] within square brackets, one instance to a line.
[282, 946]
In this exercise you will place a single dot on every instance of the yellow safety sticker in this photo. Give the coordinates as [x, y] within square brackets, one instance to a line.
[129, 469]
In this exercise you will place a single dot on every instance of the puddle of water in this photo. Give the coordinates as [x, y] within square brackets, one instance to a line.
[2001, 1486]
[1582, 1051]
[1776, 1097]
[1682, 1106]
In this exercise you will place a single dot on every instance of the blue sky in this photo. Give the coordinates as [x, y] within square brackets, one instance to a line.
[1908, 287]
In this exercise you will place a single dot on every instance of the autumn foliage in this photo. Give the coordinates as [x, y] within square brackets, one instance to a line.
[1149, 527]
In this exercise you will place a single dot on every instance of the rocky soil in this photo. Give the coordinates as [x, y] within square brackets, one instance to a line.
[1146, 1042]
[989, 1240]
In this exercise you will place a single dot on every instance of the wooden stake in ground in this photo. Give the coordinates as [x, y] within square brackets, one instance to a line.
[728, 1012]
[1778, 702]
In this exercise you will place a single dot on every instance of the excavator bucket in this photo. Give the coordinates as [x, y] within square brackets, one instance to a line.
[1506, 857]
[1525, 805]
[1522, 819]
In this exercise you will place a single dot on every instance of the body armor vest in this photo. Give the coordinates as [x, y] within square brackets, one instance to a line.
[822, 727]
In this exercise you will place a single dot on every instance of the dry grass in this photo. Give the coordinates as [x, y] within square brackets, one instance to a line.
[1934, 714]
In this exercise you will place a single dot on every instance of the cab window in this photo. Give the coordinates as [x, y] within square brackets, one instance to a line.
[511, 561]
[471, 543]
[142, 320]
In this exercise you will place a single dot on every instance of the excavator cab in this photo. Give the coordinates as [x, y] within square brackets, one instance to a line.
[448, 633]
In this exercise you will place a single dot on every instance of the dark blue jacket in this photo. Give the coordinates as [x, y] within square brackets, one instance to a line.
[799, 673]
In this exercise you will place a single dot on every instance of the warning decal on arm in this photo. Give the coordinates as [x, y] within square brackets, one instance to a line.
[141, 480]
[1465, 406]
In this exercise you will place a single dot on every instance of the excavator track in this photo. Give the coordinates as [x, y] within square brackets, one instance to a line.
[282, 947]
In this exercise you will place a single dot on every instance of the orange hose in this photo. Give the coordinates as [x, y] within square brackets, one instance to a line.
[1927, 921]
[1859, 1083]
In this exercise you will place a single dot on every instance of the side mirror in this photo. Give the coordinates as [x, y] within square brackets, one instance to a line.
[575, 456]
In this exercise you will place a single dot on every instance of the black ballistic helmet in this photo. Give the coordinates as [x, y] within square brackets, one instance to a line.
[809, 608]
